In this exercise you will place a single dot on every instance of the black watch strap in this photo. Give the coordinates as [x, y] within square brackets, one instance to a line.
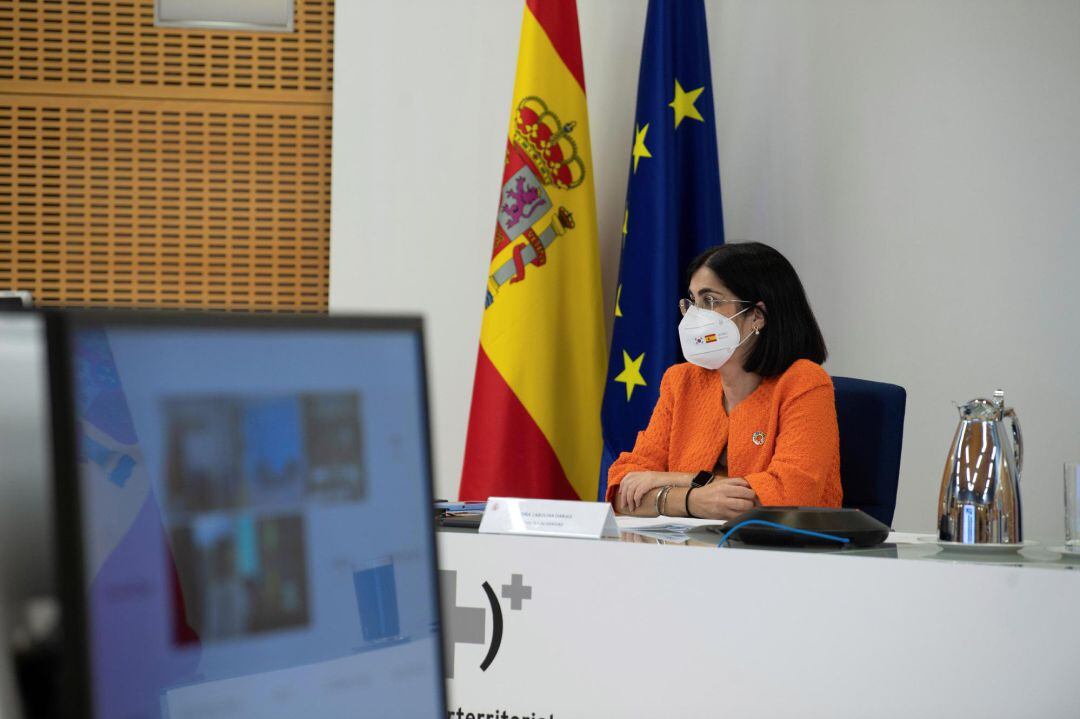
[701, 479]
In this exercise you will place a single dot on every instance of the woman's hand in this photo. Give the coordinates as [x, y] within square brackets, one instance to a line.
[723, 498]
[636, 485]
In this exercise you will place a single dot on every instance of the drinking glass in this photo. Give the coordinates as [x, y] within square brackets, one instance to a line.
[1072, 506]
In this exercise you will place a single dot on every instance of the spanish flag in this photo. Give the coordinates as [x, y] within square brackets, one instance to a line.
[534, 428]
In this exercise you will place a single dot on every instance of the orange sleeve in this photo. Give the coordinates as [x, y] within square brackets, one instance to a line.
[807, 446]
[650, 451]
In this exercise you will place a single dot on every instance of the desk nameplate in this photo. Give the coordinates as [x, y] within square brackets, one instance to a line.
[549, 518]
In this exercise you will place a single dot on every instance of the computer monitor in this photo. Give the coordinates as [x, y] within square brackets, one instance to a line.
[26, 558]
[244, 512]
[25, 492]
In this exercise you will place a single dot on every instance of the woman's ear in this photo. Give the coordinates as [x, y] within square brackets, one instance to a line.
[760, 316]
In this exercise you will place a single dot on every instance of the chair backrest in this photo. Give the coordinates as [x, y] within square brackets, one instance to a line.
[871, 420]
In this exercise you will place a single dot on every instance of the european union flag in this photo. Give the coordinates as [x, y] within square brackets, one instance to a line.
[673, 213]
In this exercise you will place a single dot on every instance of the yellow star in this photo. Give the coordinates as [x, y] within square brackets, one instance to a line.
[683, 104]
[618, 296]
[625, 219]
[631, 374]
[640, 150]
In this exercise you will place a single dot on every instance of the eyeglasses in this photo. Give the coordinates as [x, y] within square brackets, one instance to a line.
[708, 302]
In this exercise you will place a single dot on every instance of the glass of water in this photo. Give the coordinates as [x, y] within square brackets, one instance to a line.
[1072, 506]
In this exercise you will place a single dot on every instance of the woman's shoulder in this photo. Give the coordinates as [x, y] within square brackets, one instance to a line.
[803, 375]
[685, 375]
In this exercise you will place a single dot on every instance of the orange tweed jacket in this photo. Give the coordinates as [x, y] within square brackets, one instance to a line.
[782, 439]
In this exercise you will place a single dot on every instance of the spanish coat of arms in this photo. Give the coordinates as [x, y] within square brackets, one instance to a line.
[540, 154]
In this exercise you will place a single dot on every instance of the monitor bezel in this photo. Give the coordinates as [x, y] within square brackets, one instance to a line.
[71, 585]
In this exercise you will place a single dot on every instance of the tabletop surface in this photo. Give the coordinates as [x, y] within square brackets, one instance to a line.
[1037, 554]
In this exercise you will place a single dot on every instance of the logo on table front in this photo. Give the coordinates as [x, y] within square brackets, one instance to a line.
[468, 625]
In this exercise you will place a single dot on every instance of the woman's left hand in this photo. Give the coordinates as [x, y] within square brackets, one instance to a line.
[723, 498]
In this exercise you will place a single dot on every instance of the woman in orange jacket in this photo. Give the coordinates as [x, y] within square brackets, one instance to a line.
[750, 418]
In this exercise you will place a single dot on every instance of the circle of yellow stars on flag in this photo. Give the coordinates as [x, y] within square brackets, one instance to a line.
[683, 106]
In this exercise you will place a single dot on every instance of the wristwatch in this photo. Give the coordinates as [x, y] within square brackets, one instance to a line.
[701, 479]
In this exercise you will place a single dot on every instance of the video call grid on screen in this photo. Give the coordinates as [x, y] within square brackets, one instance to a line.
[254, 503]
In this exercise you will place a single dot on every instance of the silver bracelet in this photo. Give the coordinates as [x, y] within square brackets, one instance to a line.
[661, 500]
[656, 501]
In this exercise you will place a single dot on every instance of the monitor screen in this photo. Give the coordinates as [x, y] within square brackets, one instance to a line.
[254, 502]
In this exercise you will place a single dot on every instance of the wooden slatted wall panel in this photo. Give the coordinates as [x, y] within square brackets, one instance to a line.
[159, 167]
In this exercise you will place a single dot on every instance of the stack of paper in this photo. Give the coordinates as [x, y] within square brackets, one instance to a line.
[666, 528]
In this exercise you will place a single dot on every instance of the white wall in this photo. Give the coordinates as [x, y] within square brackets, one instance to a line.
[919, 163]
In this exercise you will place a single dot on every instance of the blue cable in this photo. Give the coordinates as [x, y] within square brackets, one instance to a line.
[764, 523]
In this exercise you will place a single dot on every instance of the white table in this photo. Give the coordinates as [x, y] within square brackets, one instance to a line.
[626, 629]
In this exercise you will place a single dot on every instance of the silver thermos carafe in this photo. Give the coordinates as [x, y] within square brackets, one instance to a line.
[980, 488]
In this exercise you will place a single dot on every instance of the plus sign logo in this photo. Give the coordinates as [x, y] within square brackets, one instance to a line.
[516, 591]
[468, 625]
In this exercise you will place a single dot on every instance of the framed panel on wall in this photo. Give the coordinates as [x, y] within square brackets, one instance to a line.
[147, 166]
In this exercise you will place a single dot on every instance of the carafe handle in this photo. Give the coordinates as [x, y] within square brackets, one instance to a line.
[1018, 438]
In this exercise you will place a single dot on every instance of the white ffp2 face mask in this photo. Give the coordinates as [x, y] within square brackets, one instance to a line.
[709, 338]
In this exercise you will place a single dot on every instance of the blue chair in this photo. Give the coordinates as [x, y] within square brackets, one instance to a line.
[871, 419]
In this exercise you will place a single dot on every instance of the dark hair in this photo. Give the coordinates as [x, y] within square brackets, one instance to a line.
[756, 272]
